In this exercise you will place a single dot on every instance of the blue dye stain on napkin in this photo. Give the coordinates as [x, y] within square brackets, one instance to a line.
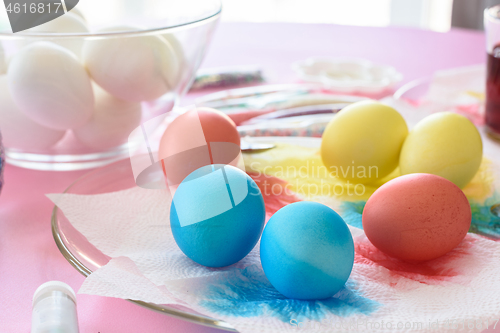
[484, 222]
[352, 212]
[248, 293]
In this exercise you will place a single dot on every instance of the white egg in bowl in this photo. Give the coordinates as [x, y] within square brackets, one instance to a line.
[76, 87]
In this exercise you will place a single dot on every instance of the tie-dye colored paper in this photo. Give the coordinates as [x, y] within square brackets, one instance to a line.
[457, 292]
[444, 282]
[302, 173]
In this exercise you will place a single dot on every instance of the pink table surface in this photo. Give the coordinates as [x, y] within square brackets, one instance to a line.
[28, 254]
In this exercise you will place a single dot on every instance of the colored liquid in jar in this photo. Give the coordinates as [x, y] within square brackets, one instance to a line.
[493, 92]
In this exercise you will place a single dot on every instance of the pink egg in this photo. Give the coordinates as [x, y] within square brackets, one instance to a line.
[417, 217]
[197, 138]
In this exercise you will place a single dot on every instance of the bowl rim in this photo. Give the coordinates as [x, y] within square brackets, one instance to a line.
[85, 271]
[124, 33]
[401, 91]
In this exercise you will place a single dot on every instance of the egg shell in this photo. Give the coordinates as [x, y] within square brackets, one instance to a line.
[363, 141]
[77, 12]
[3, 61]
[182, 76]
[67, 23]
[18, 131]
[112, 122]
[50, 86]
[307, 251]
[444, 144]
[228, 219]
[197, 138]
[135, 68]
[417, 217]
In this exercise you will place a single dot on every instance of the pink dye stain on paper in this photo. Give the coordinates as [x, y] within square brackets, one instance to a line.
[432, 272]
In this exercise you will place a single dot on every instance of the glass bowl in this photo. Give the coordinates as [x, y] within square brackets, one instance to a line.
[86, 258]
[413, 91]
[428, 95]
[118, 176]
[72, 90]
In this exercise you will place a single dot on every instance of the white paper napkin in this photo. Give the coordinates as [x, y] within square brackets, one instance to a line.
[132, 227]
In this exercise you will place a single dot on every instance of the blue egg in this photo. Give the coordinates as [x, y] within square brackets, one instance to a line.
[217, 215]
[307, 251]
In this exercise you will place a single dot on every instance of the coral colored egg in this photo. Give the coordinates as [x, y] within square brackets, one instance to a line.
[199, 137]
[417, 217]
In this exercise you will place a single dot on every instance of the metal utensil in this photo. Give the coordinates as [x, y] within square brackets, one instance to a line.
[251, 147]
[298, 111]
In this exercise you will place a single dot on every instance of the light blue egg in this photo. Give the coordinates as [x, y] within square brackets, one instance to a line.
[307, 251]
[217, 215]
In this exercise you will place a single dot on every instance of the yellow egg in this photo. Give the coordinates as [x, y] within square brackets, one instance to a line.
[363, 141]
[444, 144]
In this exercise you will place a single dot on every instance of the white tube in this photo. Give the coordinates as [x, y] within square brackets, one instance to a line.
[54, 309]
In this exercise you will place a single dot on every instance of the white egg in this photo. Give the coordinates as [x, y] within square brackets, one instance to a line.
[78, 13]
[68, 23]
[49, 85]
[135, 69]
[112, 122]
[19, 131]
[181, 59]
[3, 61]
